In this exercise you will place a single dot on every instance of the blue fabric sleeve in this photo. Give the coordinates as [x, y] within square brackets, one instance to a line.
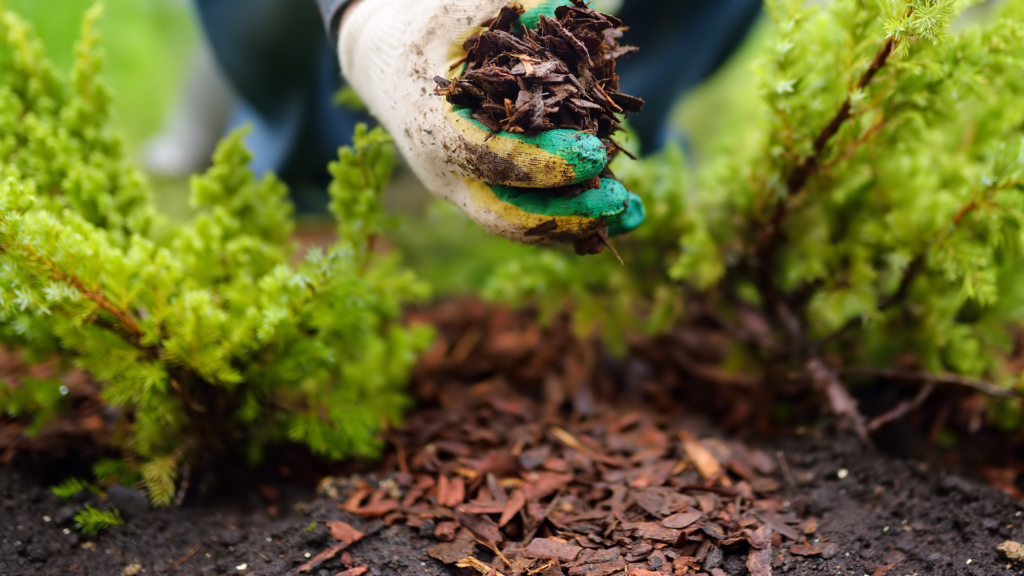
[331, 11]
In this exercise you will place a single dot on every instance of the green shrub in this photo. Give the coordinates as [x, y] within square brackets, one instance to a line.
[871, 215]
[205, 335]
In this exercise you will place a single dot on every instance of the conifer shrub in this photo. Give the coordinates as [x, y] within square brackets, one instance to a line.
[205, 335]
[869, 218]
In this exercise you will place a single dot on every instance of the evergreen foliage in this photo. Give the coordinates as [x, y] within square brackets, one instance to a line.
[870, 216]
[202, 335]
[69, 488]
[111, 471]
[91, 521]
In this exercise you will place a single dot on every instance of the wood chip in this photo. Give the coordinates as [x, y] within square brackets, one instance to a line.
[806, 549]
[344, 532]
[482, 526]
[512, 507]
[451, 552]
[703, 459]
[560, 75]
[548, 549]
[378, 508]
[653, 531]
[759, 562]
[445, 531]
[603, 569]
[681, 520]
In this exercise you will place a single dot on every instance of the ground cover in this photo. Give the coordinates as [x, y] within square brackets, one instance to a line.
[496, 459]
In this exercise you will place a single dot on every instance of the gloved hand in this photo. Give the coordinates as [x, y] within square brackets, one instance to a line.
[391, 51]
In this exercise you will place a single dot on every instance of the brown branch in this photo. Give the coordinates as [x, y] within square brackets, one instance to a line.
[852, 148]
[809, 166]
[123, 317]
[974, 204]
[188, 555]
[903, 408]
[942, 379]
[970, 207]
[840, 401]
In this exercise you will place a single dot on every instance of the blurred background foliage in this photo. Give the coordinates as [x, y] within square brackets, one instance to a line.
[147, 43]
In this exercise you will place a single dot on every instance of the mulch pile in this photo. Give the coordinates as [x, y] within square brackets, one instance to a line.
[585, 497]
[561, 75]
[551, 492]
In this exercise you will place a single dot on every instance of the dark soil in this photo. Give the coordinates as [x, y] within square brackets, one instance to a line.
[884, 512]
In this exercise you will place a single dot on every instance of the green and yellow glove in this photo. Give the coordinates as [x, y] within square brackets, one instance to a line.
[391, 50]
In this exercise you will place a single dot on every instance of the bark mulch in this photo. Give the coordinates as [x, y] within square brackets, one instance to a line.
[551, 493]
[561, 75]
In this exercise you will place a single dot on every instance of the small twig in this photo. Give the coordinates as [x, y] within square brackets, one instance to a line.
[974, 204]
[839, 398]
[903, 408]
[852, 148]
[786, 472]
[188, 556]
[927, 377]
[458, 63]
[541, 569]
[712, 373]
[186, 476]
[629, 154]
[403, 461]
[810, 165]
[967, 209]
[494, 548]
[612, 248]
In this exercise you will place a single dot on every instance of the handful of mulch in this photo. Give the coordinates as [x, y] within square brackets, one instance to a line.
[559, 76]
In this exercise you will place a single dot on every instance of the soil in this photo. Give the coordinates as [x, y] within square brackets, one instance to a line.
[884, 512]
[496, 384]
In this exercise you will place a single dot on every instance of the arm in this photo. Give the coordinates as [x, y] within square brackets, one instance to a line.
[332, 11]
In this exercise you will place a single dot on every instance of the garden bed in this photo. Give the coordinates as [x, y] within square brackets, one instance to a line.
[884, 513]
[532, 442]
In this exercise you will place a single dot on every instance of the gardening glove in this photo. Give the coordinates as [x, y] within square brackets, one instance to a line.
[391, 51]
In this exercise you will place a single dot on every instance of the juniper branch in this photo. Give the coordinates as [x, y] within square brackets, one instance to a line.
[768, 239]
[809, 166]
[125, 326]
